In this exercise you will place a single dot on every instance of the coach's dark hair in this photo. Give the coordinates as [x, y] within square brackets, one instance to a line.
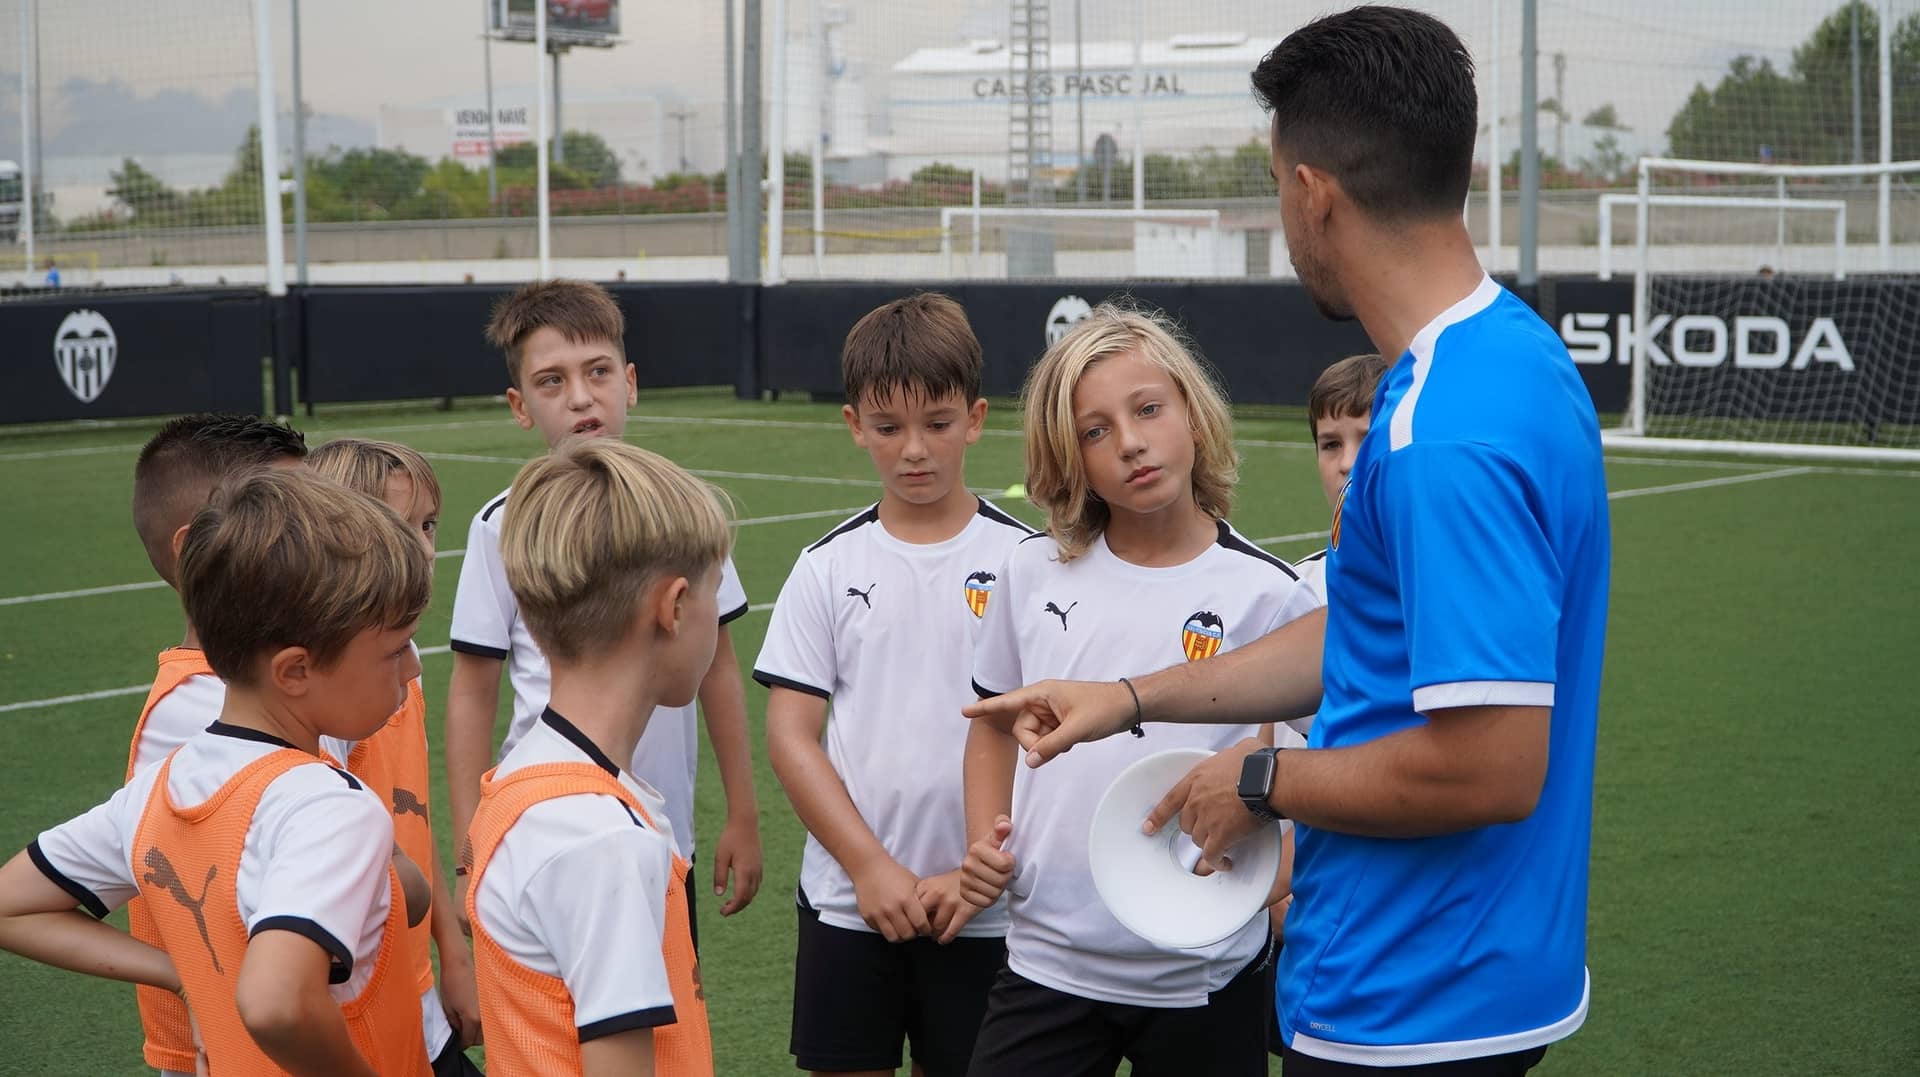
[181, 466]
[1383, 99]
[921, 345]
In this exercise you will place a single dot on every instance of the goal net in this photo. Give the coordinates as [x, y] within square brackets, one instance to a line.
[1776, 309]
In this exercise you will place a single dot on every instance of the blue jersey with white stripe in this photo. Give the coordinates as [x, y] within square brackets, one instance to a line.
[1468, 567]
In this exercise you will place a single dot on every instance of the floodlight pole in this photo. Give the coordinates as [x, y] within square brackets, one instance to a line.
[269, 148]
[543, 224]
[1493, 141]
[486, 60]
[1139, 107]
[777, 149]
[752, 139]
[1529, 145]
[28, 78]
[1079, 108]
[299, 158]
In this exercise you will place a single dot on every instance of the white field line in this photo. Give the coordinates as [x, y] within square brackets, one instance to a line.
[118, 588]
[1615, 495]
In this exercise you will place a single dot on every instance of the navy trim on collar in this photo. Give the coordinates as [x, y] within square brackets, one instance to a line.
[222, 729]
[580, 740]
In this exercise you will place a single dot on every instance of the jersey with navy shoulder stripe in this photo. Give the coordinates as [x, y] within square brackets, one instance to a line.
[885, 629]
[1099, 618]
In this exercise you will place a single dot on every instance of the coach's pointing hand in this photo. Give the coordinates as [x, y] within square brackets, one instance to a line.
[1051, 717]
[1207, 803]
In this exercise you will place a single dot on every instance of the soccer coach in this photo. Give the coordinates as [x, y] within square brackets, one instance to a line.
[1444, 800]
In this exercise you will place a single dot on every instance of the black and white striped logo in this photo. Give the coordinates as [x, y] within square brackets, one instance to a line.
[84, 348]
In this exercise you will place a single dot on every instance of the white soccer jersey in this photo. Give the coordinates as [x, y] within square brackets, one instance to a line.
[487, 622]
[315, 859]
[577, 887]
[1100, 618]
[1312, 570]
[885, 629]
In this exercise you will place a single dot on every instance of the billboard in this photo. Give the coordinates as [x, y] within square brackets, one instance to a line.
[594, 23]
[469, 130]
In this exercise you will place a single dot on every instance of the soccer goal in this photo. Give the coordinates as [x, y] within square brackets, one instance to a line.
[1776, 310]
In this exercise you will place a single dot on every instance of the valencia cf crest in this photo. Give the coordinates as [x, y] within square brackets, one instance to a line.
[84, 348]
[979, 589]
[1200, 636]
[1333, 536]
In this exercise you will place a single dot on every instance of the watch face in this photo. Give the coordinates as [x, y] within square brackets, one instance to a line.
[1256, 775]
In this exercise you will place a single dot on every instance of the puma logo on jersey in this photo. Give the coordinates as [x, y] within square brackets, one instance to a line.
[865, 596]
[405, 803]
[160, 873]
[1055, 609]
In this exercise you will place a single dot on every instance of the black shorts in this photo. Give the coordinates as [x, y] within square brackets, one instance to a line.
[453, 1062]
[857, 998]
[1035, 1031]
[1295, 1064]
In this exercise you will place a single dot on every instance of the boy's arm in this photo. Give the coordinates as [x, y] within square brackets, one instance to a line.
[285, 1005]
[723, 703]
[885, 890]
[473, 698]
[987, 774]
[626, 1054]
[459, 993]
[42, 921]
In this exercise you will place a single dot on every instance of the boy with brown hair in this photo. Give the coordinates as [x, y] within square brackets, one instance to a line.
[268, 873]
[569, 379]
[583, 940]
[1339, 411]
[173, 479]
[879, 618]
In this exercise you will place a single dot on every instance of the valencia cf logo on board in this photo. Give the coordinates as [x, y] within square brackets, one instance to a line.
[1200, 637]
[84, 348]
[1333, 536]
[979, 589]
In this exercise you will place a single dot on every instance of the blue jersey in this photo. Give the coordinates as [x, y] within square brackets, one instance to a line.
[1468, 567]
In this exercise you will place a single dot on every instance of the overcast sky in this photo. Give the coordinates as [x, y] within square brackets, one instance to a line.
[124, 75]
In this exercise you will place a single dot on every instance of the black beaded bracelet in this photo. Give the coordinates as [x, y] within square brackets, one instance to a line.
[1135, 693]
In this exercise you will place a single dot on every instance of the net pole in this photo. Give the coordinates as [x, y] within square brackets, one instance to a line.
[1885, 220]
[26, 132]
[299, 156]
[493, 142]
[269, 149]
[819, 41]
[540, 149]
[1637, 389]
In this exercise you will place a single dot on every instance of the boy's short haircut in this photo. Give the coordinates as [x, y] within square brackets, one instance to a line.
[1383, 99]
[581, 310]
[1057, 479]
[365, 465]
[589, 527]
[1344, 389]
[287, 559]
[187, 460]
[922, 346]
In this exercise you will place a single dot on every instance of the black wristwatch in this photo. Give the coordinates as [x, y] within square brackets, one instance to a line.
[1256, 782]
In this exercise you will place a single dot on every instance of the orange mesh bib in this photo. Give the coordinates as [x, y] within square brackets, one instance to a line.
[187, 861]
[169, 1038]
[529, 1016]
[393, 763]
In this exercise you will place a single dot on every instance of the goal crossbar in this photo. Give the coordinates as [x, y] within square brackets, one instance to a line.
[1835, 206]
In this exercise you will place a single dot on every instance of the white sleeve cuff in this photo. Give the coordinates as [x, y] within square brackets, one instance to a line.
[1435, 697]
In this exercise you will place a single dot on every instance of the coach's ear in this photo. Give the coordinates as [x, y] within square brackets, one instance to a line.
[180, 541]
[1319, 191]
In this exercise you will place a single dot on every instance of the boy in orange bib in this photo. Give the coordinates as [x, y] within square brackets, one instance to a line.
[268, 873]
[174, 478]
[581, 936]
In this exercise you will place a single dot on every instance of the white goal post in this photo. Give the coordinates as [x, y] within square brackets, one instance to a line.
[1184, 243]
[1752, 338]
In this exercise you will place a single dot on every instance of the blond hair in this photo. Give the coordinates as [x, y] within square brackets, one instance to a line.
[366, 465]
[1057, 476]
[287, 559]
[590, 526]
